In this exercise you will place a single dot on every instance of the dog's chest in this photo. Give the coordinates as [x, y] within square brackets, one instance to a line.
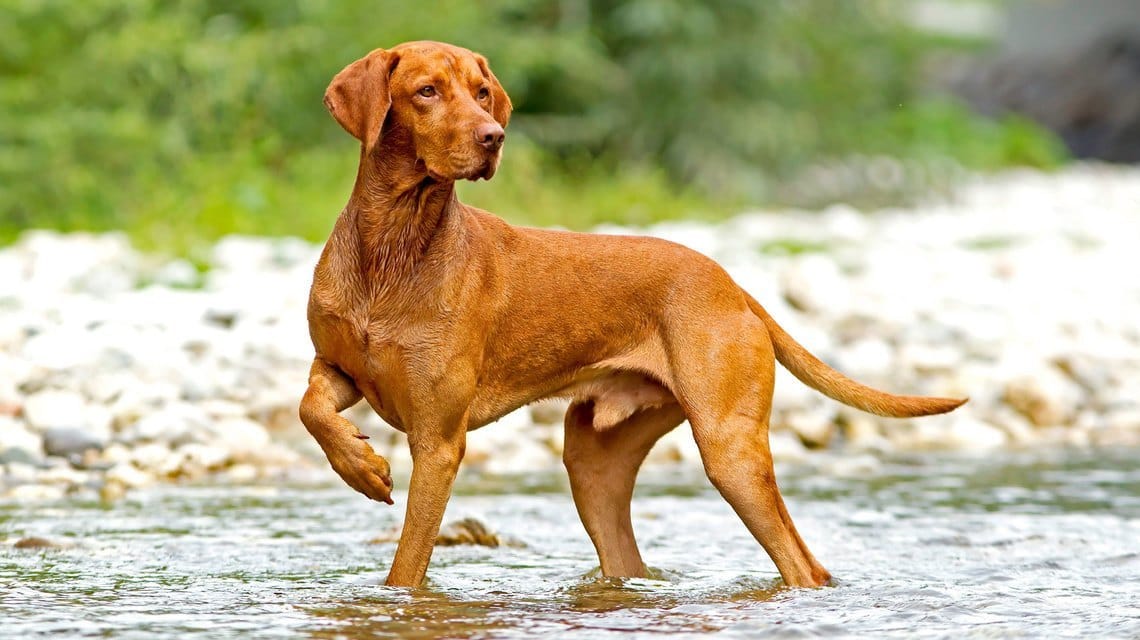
[371, 352]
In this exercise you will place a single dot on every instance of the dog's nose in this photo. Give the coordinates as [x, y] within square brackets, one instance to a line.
[490, 135]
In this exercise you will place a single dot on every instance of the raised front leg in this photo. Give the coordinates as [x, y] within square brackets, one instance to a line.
[329, 393]
[436, 454]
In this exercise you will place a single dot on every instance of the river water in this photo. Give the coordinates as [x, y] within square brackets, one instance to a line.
[1032, 544]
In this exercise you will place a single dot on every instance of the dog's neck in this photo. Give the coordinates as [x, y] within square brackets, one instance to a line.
[395, 214]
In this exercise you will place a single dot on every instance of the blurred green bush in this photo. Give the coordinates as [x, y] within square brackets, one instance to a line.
[184, 120]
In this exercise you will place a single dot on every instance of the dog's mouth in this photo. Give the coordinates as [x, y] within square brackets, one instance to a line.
[485, 170]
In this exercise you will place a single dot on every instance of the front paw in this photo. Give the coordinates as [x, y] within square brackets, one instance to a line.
[359, 466]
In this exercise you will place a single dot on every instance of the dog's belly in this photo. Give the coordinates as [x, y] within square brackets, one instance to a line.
[617, 396]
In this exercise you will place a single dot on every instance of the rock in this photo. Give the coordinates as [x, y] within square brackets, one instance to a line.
[549, 411]
[1126, 419]
[1015, 425]
[678, 446]
[967, 432]
[866, 359]
[175, 422]
[65, 476]
[151, 456]
[178, 273]
[814, 284]
[66, 442]
[18, 444]
[129, 476]
[17, 473]
[142, 398]
[928, 359]
[468, 531]
[244, 437]
[861, 431]
[854, 466]
[1045, 397]
[52, 409]
[112, 490]
[241, 473]
[521, 456]
[786, 447]
[209, 457]
[36, 492]
[814, 428]
[36, 542]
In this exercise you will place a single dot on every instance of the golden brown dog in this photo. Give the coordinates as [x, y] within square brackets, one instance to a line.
[445, 318]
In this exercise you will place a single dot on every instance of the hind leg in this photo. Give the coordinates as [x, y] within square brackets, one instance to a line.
[739, 463]
[602, 466]
[729, 400]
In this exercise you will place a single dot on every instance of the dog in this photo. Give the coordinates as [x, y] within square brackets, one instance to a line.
[445, 318]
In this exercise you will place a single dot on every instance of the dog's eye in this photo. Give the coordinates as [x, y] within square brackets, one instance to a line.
[427, 91]
[483, 93]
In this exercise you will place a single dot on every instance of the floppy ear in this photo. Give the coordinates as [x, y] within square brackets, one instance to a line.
[358, 96]
[501, 103]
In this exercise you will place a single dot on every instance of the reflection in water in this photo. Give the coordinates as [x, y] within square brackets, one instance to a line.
[1034, 544]
[418, 614]
[645, 606]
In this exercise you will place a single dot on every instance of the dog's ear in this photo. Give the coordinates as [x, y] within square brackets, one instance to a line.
[358, 96]
[501, 103]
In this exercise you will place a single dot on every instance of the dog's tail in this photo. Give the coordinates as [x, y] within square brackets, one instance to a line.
[817, 375]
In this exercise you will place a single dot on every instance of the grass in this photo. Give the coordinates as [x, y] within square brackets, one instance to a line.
[183, 212]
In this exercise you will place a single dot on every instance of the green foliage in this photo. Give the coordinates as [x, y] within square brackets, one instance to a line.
[182, 120]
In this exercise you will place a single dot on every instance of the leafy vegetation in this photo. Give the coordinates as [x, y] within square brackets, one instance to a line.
[182, 120]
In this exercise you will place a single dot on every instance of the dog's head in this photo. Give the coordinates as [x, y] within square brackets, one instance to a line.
[438, 101]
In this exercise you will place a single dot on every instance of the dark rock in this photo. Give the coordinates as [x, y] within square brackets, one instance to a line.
[467, 531]
[23, 456]
[67, 442]
[35, 542]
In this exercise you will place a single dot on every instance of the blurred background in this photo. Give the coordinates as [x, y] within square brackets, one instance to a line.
[933, 196]
[183, 121]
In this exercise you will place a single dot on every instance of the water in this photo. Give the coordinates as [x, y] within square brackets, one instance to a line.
[1043, 544]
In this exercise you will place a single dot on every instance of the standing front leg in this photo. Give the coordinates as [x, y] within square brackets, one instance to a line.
[329, 393]
[437, 450]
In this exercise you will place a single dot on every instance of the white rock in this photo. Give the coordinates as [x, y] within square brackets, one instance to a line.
[814, 428]
[242, 436]
[53, 408]
[150, 456]
[63, 475]
[175, 422]
[548, 411]
[241, 473]
[20, 473]
[925, 358]
[967, 432]
[786, 447]
[866, 359]
[18, 443]
[814, 283]
[1045, 396]
[36, 492]
[207, 456]
[524, 455]
[853, 465]
[1126, 419]
[129, 475]
[177, 273]
[140, 399]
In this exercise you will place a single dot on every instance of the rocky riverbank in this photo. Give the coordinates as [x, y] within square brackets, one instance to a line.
[118, 369]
